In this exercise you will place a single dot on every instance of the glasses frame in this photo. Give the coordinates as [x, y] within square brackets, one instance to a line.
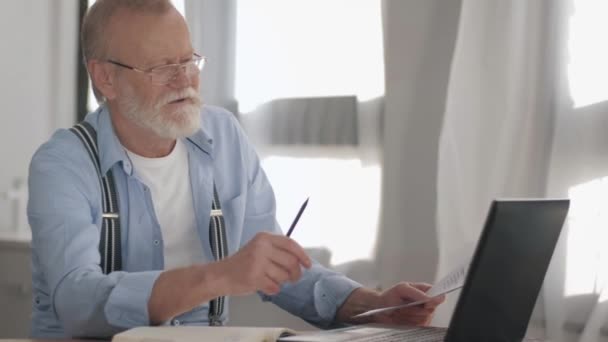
[197, 60]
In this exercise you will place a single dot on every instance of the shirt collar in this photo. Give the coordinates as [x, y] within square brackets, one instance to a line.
[202, 138]
[111, 150]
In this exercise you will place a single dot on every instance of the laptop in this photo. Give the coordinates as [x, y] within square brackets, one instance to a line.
[502, 282]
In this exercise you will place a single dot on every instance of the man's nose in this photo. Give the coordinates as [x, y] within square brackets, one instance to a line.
[181, 79]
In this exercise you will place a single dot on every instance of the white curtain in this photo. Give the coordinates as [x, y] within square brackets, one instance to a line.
[419, 43]
[576, 287]
[497, 130]
[468, 117]
[512, 130]
[213, 32]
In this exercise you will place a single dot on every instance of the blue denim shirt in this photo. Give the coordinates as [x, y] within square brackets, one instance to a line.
[72, 297]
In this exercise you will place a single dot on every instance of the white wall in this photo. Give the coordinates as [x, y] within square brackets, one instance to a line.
[37, 77]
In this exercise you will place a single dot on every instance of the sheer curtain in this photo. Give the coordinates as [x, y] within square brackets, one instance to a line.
[213, 32]
[525, 113]
[497, 131]
[419, 42]
[576, 289]
[468, 118]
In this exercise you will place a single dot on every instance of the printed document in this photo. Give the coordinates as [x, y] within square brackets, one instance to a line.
[452, 281]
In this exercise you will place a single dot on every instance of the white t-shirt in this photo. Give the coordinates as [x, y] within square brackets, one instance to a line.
[168, 179]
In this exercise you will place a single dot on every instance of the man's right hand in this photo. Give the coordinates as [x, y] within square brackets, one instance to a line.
[263, 264]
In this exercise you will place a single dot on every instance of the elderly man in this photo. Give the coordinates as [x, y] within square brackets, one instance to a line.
[196, 210]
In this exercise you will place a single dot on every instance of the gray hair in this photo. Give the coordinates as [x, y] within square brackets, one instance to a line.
[93, 34]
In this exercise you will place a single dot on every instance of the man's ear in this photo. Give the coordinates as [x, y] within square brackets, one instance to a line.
[102, 77]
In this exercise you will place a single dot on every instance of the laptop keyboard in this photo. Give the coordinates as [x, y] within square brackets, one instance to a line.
[413, 334]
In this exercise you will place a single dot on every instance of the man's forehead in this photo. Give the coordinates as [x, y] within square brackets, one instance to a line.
[151, 38]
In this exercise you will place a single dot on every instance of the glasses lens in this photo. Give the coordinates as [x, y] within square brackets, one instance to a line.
[165, 74]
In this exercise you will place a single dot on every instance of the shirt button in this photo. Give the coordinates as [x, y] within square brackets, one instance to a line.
[176, 322]
[156, 242]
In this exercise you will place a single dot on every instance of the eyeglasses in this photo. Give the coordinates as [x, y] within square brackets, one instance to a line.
[165, 74]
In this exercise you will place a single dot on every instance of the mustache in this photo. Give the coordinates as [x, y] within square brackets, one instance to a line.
[184, 94]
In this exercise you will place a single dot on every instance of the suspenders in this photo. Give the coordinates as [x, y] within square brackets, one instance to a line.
[110, 241]
[219, 248]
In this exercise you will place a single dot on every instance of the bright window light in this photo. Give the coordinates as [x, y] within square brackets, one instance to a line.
[586, 261]
[588, 53]
[180, 6]
[308, 48]
[342, 214]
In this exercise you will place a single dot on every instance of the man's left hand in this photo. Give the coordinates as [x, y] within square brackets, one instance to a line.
[363, 299]
[404, 293]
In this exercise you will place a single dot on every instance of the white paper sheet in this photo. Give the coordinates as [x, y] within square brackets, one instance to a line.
[452, 281]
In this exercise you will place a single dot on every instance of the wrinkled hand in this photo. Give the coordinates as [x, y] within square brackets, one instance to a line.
[404, 293]
[264, 264]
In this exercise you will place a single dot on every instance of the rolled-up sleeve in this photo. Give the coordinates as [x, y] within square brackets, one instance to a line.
[64, 199]
[316, 297]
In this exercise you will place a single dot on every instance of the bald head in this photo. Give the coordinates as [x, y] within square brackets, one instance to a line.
[111, 26]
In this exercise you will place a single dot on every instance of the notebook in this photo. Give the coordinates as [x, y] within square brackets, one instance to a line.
[201, 333]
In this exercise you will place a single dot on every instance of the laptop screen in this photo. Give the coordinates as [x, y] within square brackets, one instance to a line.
[507, 270]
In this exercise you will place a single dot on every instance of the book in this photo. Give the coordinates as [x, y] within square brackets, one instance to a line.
[202, 333]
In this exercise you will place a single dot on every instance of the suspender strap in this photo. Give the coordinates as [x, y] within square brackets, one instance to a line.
[219, 248]
[109, 242]
[109, 245]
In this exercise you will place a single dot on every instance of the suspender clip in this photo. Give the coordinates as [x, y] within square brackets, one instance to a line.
[110, 215]
[215, 322]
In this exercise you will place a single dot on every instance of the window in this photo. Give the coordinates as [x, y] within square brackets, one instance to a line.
[587, 234]
[308, 48]
[342, 214]
[587, 220]
[301, 49]
[588, 53]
